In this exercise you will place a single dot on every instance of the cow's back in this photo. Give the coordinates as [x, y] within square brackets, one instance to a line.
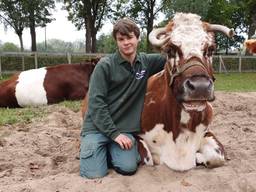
[68, 82]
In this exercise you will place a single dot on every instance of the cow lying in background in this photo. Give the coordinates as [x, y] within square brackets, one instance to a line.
[250, 44]
[177, 109]
[46, 85]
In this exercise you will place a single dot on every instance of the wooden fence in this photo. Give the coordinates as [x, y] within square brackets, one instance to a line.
[11, 62]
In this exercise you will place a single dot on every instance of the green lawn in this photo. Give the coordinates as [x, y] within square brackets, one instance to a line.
[242, 82]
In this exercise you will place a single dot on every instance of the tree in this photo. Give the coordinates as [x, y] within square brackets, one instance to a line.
[38, 14]
[106, 44]
[217, 11]
[144, 12]
[89, 15]
[223, 12]
[246, 15]
[199, 7]
[19, 14]
[12, 15]
[56, 45]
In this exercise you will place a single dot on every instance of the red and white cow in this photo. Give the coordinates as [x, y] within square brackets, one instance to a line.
[46, 85]
[250, 44]
[177, 109]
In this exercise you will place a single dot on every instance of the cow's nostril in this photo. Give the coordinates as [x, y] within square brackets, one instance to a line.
[190, 85]
[210, 84]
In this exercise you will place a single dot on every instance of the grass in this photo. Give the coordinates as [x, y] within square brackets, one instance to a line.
[21, 115]
[26, 115]
[4, 77]
[241, 82]
[72, 105]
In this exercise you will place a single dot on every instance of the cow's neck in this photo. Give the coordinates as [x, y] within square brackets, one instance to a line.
[173, 108]
[179, 118]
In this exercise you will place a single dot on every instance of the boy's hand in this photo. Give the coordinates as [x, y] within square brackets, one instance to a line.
[124, 141]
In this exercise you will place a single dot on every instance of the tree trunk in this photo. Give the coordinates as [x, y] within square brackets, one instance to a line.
[149, 29]
[33, 37]
[94, 41]
[21, 42]
[88, 41]
[88, 35]
[150, 19]
[252, 27]
[32, 29]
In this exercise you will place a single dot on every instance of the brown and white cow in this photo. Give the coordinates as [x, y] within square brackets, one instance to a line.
[250, 44]
[46, 85]
[177, 109]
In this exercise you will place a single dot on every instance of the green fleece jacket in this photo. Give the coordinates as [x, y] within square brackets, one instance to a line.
[116, 93]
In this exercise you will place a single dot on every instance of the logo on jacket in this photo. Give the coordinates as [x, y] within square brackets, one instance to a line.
[140, 74]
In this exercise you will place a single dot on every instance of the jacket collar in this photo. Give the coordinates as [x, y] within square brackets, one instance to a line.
[120, 60]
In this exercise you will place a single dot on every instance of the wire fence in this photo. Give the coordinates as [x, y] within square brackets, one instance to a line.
[12, 62]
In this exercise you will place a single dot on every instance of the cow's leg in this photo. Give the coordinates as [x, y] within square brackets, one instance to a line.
[211, 152]
[145, 154]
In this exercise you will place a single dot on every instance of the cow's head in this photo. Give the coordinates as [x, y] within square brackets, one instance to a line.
[189, 44]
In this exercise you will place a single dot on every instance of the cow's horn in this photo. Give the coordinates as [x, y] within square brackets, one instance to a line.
[221, 28]
[154, 34]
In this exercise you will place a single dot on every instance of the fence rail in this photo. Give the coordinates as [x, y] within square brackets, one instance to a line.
[12, 62]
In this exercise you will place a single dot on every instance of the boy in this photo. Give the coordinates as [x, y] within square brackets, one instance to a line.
[115, 102]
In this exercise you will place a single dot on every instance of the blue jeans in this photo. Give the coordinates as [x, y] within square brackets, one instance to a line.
[96, 147]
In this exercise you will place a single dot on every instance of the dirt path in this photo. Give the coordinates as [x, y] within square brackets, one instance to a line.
[42, 156]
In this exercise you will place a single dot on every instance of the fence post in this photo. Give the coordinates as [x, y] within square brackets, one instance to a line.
[23, 62]
[69, 57]
[36, 63]
[219, 64]
[240, 64]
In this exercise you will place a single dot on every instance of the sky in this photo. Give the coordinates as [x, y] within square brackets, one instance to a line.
[61, 28]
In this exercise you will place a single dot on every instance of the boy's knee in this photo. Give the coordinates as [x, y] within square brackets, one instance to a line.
[90, 170]
[127, 169]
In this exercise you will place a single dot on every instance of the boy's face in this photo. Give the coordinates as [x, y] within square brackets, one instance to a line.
[127, 45]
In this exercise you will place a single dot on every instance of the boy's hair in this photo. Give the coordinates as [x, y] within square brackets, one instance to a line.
[126, 26]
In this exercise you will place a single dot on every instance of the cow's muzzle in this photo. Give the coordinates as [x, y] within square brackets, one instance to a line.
[197, 90]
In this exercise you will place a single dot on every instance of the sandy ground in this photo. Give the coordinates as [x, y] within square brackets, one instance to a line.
[42, 156]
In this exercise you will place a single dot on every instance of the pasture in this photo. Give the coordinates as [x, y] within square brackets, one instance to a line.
[39, 149]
